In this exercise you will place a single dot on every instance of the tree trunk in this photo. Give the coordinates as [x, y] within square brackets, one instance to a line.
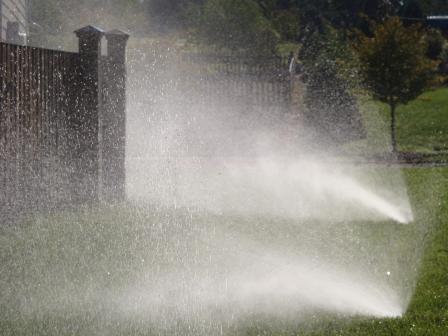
[393, 128]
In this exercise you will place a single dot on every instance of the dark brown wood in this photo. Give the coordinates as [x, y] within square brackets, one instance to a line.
[50, 111]
[89, 90]
[113, 119]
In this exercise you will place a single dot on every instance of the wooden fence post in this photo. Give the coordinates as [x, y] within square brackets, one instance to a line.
[87, 115]
[113, 120]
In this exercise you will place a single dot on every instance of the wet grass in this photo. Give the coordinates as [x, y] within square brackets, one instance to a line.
[428, 310]
[96, 251]
[422, 125]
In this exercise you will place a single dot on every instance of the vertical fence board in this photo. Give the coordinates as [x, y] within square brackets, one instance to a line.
[244, 80]
[35, 87]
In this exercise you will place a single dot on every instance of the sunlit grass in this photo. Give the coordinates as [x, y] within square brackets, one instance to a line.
[422, 125]
[105, 248]
[428, 310]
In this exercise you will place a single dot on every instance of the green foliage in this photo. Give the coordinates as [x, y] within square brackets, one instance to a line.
[284, 15]
[342, 13]
[436, 43]
[329, 72]
[412, 9]
[167, 15]
[433, 7]
[237, 25]
[394, 64]
[286, 23]
[262, 21]
[422, 125]
[291, 17]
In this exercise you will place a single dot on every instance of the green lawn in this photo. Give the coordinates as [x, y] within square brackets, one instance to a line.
[422, 125]
[53, 267]
[428, 310]
[59, 273]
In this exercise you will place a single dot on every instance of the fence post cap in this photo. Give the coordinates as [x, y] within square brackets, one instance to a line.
[116, 33]
[89, 30]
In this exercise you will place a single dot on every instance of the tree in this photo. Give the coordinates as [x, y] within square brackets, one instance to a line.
[329, 73]
[394, 64]
[345, 13]
[169, 15]
[237, 25]
[436, 43]
[284, 15]
[412, 9]
[433, 7]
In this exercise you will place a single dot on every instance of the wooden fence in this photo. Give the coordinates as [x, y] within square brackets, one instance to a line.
[58, 114]
[244, 80]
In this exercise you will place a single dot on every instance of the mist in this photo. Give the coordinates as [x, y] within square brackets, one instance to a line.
[237, 209]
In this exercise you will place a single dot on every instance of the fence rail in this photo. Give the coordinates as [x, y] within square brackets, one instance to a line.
[273, 66]
[244, 80]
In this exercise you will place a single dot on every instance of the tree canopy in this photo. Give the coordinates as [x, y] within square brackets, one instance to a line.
[329, 71]
[235, 25]
[394, 63]
[289, 20]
